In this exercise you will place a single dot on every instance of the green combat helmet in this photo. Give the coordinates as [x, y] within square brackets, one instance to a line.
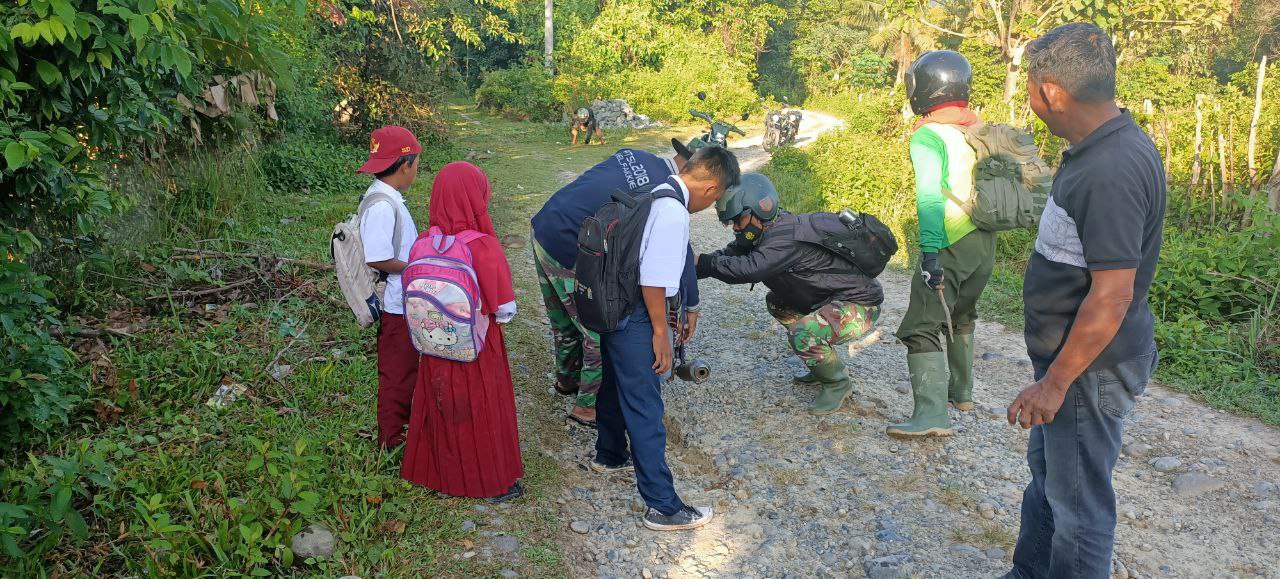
[754, 193]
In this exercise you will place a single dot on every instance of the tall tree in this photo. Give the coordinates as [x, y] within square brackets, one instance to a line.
[903, 34]
[548, 32]
[1010, 25]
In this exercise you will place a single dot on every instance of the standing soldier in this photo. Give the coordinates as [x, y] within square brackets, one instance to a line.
[956, 257]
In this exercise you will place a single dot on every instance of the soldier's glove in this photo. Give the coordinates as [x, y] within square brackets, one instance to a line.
[930, 270]
[704, 265]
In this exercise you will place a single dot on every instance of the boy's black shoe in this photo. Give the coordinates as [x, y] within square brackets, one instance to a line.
[601, 468]
[686, 518]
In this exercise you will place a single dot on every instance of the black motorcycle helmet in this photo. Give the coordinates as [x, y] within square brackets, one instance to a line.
[938, 77]
[754, 193]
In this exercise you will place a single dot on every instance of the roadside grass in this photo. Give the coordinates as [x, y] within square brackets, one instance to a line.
[159, 483]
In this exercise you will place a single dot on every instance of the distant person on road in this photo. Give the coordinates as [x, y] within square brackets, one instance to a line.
[393, 162]
[956, 257]
[555, 248]
[462, 436]
[585, 121]
[821, 298]
[1089, 330]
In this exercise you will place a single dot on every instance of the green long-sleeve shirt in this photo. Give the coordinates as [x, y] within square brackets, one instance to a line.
[941, 158]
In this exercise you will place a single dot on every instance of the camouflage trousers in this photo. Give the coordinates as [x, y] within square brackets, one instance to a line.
[814, 336]
[577, 349]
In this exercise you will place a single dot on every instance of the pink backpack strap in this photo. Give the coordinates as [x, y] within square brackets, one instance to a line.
[469, 235]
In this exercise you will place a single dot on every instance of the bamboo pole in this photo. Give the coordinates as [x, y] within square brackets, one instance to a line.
[1273, 185]
[1222, 167]
[1195, 160]
[1168, 148]
[1209, 192]
[1254, 182]
[1231, 149]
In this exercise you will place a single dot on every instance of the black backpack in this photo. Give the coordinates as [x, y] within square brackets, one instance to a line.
[859, 238]
[608, 263]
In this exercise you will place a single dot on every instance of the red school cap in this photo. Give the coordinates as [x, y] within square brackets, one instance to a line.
[386, 145]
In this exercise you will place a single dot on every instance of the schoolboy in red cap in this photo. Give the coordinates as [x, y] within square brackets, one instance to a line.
[393, 161]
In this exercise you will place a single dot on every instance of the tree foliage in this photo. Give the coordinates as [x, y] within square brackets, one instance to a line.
[82, 84]
[659, 54]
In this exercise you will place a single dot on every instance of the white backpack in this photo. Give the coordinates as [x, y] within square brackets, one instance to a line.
[361, 285]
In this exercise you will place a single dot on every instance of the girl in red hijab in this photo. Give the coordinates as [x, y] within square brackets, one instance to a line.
[462, 431]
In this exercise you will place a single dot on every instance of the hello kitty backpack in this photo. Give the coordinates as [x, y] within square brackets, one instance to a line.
[442, 297]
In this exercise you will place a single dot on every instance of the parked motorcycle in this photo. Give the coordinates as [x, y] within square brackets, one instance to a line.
[781, 127]
[718, 132]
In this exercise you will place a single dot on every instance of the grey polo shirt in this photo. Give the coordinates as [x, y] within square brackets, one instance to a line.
[1106, 212]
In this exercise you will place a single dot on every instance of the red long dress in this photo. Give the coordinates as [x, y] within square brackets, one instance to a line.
[463, 439]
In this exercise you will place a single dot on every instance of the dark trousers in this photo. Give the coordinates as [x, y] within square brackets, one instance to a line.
[966, 269]
[1069, 509]
[397, 375]
[630, 406]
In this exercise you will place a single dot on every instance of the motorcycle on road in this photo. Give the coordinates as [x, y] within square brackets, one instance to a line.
[717, 133]
[781, 127]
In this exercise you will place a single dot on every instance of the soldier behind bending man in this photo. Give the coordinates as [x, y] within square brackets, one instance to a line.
[585, 120]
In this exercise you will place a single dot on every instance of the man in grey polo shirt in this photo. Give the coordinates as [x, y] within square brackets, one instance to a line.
[1089, 330]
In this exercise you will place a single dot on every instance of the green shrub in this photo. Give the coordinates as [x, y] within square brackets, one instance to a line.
[83, 82]
[868, 112]
[1216, 275]
[670, 91]
[39, 384]
[793, 177]
[522, 93]
[44, 500]
[305, 165]
[658, 57]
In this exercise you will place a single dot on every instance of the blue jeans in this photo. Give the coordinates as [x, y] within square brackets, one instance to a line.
[630, 406]
[1069, 509]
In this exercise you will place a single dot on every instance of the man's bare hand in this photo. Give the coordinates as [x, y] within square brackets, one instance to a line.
[662, 353]
[688, 328]
[1037, 404]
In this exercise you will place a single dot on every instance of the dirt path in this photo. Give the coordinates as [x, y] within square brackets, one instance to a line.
[798, 496]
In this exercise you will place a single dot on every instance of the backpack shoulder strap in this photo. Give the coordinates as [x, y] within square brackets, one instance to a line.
[470, 235]
[952, 196]
[368, 200]
[667, 193]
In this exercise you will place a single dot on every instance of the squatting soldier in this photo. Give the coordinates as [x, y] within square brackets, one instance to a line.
[821, 299]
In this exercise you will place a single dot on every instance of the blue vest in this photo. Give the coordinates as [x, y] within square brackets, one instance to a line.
[556, 225]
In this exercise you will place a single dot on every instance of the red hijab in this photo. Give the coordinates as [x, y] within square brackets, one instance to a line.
[460, 201]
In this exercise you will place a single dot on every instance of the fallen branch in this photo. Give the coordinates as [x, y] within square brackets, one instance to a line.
[194, 254]
[125, 332]
[202, 293]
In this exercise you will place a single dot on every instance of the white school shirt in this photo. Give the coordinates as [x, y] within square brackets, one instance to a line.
[665, 243]
[376, 230]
